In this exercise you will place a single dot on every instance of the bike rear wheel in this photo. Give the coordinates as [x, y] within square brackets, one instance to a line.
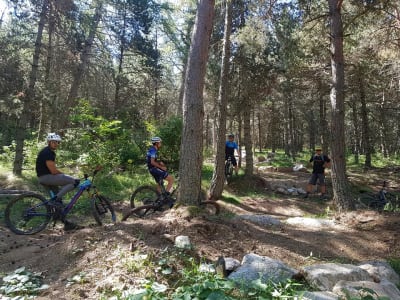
[393, 202]
[371, 202]
[211, 207]
[144, 195]
[140, 211]
[103, 211]
[27, 214]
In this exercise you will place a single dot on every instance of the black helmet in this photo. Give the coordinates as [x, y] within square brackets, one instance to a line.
[231, 135]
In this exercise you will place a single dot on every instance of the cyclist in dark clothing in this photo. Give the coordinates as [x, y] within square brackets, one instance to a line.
[230, 147]
[320, 162]
[49, 175]
[157, 168]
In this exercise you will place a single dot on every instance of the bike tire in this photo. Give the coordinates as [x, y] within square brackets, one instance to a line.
[140, 211]
[144, 195]
[370, 202]
[211, 207]
[103, 211]
[27, 214]
[392, 202]
[228, 171]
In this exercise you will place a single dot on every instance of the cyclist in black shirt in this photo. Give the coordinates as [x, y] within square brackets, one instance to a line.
[48, 174]
[320, 162]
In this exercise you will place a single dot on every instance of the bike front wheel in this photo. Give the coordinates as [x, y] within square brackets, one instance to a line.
[103, 211]
[228, 170]
[144, 195]
[27, 214]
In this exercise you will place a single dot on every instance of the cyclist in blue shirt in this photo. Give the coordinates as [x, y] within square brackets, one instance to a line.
[230, 147]
[157, 168]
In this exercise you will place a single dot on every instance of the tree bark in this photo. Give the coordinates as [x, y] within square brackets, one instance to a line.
[85, 59]
[29, 96]
[218, 179]
[341, 193]
[193, 107]
[366, 134]
[248, 146]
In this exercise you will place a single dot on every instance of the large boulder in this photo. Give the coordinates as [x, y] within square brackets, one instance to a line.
[255, 267]
[325, 276]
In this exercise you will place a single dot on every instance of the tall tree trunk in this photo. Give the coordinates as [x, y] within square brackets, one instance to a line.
[217, 182]
[85, 59]
[356, 136]
[193, 107]
[366, 134]
[340, 184]
[121, 57]
[248, 146]
[29, 95]
[323, 124]
[239, 139]
[383, 127]
[45, 104]
[260, 139]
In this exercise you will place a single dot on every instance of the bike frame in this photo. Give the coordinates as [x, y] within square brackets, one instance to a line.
[82, 187]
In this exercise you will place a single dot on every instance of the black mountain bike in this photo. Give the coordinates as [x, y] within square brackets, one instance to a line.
[383, 200]
[146, 200]
[31, 212]
[228, 169]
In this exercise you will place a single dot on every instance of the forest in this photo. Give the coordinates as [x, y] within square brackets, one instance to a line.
[109, 74]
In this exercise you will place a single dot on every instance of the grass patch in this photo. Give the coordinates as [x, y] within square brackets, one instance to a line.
[395, 264]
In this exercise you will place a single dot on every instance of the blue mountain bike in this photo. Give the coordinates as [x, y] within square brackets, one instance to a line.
[31, 212]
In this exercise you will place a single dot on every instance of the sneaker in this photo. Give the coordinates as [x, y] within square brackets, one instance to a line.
[71, 226]
[323, 197]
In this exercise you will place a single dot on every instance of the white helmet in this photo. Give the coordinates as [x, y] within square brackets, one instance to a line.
[155, 139]
[53, 137]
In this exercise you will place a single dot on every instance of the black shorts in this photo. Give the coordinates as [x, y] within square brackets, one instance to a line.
[317, 176]
[233, 159]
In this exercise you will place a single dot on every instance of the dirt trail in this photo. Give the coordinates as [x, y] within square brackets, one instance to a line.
[97, 251]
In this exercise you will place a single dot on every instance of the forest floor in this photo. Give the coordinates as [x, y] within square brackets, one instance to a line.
[97, 254]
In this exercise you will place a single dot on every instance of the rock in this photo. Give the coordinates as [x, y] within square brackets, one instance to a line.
[265, 269]
[261, 219]
[362, 289]
[207, 268]
[319, 296]
[325, 276]
[381, 270]
[183, 242]
[311, 222]
[231, 264]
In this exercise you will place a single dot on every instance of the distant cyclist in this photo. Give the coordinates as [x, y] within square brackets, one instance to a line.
[156, 167]
[48, 173]
[320, 162]
[230, 147]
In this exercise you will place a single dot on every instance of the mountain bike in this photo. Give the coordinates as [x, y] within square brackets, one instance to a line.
[383, 200]
[31, 212]
[146, 200]
[228, 169]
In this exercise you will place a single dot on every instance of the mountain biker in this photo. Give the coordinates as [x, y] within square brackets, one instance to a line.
[157, 168]
[230, 147]
[49, 175]
[320, 162]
